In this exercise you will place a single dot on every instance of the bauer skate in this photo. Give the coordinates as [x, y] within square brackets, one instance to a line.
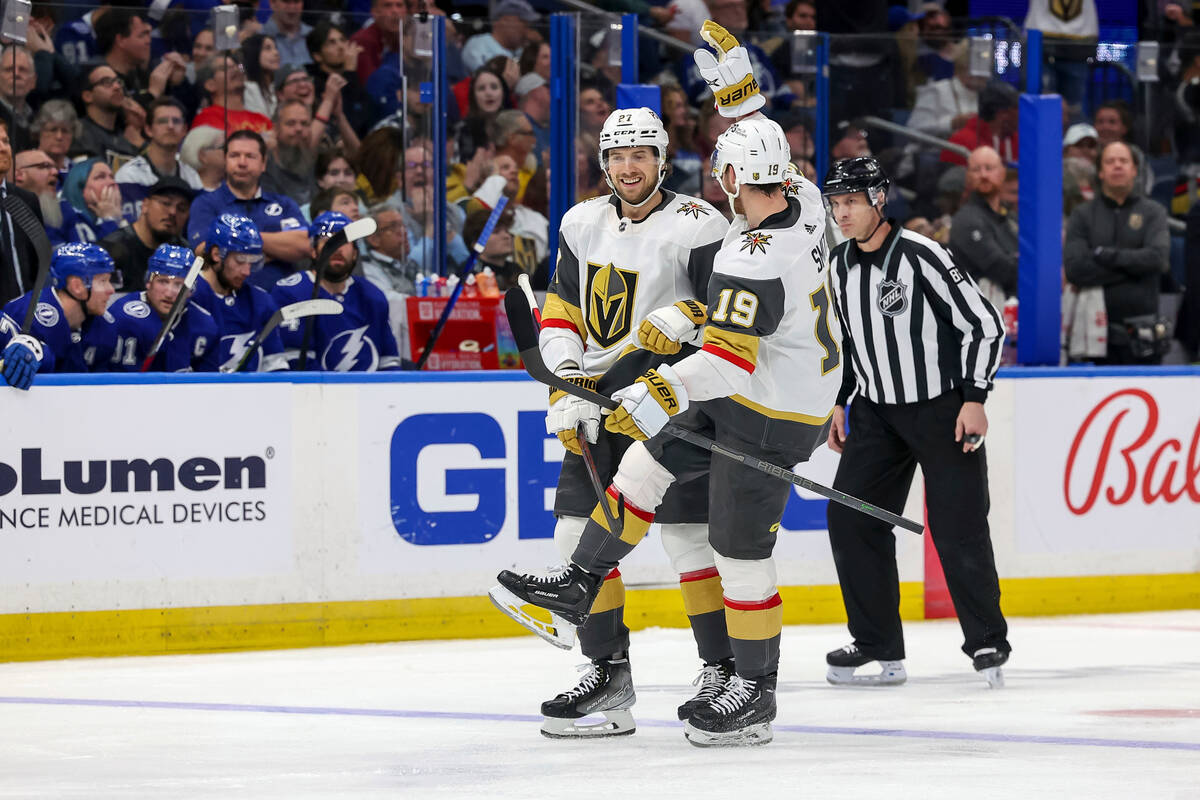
[565, 594]
[844, 661]
[739, 716]
[712, 680]
[988, 662]
[605, 688]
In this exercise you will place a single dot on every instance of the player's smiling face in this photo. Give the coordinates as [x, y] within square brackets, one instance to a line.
[634, 172]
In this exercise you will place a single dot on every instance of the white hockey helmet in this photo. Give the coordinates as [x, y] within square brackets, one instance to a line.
[634, 127]
[757, 150]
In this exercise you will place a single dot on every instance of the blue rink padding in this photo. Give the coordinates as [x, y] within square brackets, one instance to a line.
[1039, 275]
[512, 376]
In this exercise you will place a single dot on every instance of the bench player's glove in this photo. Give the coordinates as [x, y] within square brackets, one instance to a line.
[567, 411]
[730, 73]
[664, 328]
[21, 358]
[647, 404]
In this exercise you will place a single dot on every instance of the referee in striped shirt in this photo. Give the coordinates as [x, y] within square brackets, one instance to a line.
[923, 347]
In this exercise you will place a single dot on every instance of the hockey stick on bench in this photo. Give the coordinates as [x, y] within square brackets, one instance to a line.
[176, 311]
[521, 322]
[288, 313]
[356, 230]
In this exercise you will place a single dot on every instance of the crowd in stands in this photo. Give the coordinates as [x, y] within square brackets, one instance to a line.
[129, 128]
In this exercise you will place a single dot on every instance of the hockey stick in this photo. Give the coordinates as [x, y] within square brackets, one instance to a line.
[484, 235]
[289, 313]
[36, 232]
[356, 230]
[521, 323]
[176, 312]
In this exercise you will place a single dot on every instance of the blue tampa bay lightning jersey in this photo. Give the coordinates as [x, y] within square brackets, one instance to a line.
[63, 350]
[190, 347]
[239, 316]
[357, 340]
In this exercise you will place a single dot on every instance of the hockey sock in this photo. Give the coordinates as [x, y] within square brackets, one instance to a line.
[705, 608]
[754, 632]
[605, 633]
[599, 550]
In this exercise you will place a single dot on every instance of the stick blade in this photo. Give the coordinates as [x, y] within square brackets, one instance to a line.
[520, 319]
[189, 280]
[310, 308]
[359, 229]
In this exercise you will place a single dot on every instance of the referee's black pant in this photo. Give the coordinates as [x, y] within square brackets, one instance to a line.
[884, 446]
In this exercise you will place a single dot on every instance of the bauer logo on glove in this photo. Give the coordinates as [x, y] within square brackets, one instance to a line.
[730, 73]
[647, 404]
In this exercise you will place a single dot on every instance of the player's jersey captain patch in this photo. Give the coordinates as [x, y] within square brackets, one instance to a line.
[611, 294]
[893, 298]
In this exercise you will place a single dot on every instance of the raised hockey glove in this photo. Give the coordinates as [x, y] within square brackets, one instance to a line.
[664, 328]
[22, 358]
[568, 411]
[647, 404]
[730, 73]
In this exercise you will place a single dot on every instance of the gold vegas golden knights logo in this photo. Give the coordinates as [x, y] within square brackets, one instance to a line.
[611, 294]
[1066, 10]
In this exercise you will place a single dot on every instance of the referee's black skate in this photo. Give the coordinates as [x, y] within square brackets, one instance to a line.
[605, 688]
[845, 660]
[987, 662]
[566, 593]
[712, 680]
[739, 716]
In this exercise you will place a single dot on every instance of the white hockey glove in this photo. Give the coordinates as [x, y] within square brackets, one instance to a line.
[21, 360]
[568, 411]
[647, 404]
[665, 328]
[730, 74]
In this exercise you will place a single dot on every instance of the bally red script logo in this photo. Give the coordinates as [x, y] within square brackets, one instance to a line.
[1168, 474]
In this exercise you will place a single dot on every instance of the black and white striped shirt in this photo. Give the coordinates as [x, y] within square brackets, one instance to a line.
[914, 325]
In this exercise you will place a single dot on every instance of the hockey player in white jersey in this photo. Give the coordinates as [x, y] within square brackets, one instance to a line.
[764, 382]
[632, 271]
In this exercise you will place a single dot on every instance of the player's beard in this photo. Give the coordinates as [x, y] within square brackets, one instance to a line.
[226, 284]
[336, 273]
[646, 189]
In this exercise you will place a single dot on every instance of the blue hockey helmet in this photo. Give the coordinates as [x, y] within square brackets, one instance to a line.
[170, 260]
[85, 261]
[327, 223]
[233, 233]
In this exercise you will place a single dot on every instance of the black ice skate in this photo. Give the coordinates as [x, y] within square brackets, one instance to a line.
[605, 688]
[987, 662]
[566, 592]
[741, 715]
[712, 680]
[844, 661]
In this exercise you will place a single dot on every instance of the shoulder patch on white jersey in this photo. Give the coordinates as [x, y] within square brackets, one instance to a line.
[290, 280]
[755, 241]
[137, 309]
[693, 209]
[46, 315]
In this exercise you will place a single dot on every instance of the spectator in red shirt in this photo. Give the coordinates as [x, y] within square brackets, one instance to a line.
[379, 38]
[995, 125]
[225, 82]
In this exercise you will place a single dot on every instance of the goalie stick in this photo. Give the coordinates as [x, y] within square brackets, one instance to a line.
[175, 313]
[289, 313]
[351, 233]
[484, 235]
[521, 322]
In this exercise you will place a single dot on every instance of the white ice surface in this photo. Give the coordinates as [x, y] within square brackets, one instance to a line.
[459, 719]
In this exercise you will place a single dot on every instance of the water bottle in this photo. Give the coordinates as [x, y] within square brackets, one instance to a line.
[487, 283]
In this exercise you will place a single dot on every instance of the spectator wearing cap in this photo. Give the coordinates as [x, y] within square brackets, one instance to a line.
[982, 235]
[943, 107]
[533, 99]
[203, 150]
[1080, 145]
[377, 39]
[165, 129]
[163, 215]
[510, 31]
[289, 31]
[995, 125]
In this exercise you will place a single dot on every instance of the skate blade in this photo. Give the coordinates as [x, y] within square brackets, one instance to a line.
[617, 722]
[994, 677]
[557, 631]
[750, 736]
[891, 674]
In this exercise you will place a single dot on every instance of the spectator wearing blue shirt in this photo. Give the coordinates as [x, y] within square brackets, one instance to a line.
[277, 217]
[285, 27]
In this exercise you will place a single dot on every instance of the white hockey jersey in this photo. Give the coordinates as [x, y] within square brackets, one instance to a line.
[612, 272]
[772, 342]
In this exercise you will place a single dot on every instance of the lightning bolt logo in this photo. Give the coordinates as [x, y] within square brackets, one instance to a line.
[349, 345]
[237, 347]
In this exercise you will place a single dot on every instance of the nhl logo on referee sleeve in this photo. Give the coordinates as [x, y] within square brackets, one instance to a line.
[893, 298]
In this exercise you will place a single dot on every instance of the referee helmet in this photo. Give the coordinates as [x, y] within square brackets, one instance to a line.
[860, 174]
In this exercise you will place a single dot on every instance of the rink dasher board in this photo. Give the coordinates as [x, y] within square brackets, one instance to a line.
[284, 511]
